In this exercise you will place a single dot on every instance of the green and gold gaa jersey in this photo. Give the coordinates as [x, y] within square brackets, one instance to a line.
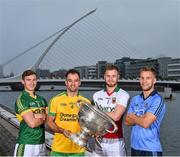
[24, 104]
[65, 110]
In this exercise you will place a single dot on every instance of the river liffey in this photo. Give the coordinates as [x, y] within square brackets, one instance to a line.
[170, 128]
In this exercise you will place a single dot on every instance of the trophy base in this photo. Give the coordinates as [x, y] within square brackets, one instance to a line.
[81, 139]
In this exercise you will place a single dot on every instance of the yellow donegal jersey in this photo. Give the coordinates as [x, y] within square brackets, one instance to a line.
[65, 110]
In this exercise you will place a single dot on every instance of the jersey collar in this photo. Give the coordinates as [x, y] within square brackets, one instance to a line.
[151, 94]
[68, 96]
[115, 90]
[27, 94]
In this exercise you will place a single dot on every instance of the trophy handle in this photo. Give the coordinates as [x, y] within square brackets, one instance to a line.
[98, 140]
[114, 126]
[66, 134]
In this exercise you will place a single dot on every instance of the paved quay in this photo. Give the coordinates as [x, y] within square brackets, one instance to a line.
[8, 134]
[9, 131]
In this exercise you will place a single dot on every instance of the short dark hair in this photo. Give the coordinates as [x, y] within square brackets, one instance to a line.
[28, 73]
[72, 71]
[151, 69]
[111, 67]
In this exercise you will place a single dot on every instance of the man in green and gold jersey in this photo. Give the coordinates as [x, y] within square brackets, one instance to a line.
[30, 110]
[63, 117]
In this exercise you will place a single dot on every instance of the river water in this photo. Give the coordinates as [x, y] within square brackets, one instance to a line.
[170, 128]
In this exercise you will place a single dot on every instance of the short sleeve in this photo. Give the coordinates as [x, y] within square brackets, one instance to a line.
[21, 105]
[156, 106]
[123, 99]
[45, 102]
[85, 99]
[52, 107]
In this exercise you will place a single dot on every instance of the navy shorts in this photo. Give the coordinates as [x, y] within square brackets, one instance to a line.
[135, 152]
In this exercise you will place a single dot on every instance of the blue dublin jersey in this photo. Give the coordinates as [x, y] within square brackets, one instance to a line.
[147, 139]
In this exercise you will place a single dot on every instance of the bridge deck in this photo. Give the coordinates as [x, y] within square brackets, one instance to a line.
[89, 83]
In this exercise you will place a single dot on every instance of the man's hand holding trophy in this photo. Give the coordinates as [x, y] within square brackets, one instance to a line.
[93, 123]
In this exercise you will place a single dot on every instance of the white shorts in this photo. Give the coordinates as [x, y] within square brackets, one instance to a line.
[30, 150]
[110, 147]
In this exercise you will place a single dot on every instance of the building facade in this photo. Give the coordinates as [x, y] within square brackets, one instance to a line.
[174, 69]
[132, 68]
[100, 69]
[1, 72]
[82, 70]
[92, 72]
[120, 63]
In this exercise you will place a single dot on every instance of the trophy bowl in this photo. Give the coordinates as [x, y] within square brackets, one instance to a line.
[93, 122]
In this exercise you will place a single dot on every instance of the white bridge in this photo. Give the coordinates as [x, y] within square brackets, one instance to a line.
[15, 84]
[75, 46]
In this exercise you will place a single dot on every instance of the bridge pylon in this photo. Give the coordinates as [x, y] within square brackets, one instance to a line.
[36, 65]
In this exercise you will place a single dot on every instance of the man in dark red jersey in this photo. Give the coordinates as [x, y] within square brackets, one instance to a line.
[113, 101]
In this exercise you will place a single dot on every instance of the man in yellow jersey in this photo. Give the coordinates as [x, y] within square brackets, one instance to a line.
[63, 117]
[30, 110]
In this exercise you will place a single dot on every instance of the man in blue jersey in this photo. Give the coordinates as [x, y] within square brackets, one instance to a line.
[145, 114]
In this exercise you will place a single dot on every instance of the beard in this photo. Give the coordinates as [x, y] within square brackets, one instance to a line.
[72, 89]
[111, 84]
[147, 88]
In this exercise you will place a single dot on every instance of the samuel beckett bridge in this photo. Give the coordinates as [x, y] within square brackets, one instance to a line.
[82, 43]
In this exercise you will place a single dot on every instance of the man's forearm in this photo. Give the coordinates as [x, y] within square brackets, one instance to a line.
[113, 115]
[139, 120]
[55, 128]
[36, 122]
[129, 121]
[117, 113]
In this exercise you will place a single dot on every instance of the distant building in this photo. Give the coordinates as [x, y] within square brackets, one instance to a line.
[82, 70]
[163, 67]
[11, 74]
[100, 69]
[43, 73]
[92, 72]
[59, 74]
[120, 63]
[1, 72]
[132, 68]
[174, 69]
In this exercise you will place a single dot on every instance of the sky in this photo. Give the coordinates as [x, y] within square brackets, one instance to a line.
[151, 26]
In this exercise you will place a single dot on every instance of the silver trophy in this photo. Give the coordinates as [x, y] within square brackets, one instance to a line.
[93, 122]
